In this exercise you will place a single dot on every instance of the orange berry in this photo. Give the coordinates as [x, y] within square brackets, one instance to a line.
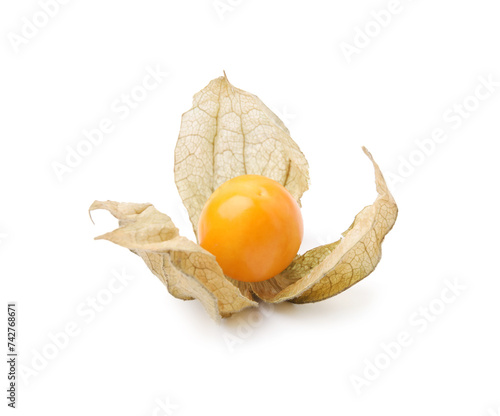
[253, 226]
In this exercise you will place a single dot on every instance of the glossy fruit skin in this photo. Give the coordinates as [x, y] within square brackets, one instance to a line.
[253, 226]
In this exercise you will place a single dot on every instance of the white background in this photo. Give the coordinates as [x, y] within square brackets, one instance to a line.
[146, 347]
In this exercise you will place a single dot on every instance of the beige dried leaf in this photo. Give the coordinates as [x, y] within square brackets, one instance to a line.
[187, 270]
[330, 269]
[230, 132]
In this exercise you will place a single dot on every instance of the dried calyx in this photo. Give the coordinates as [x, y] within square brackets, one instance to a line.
[229, 132]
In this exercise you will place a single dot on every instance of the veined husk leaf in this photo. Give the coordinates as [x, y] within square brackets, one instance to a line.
[186, 269]
[229, 132]
[332, 268]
